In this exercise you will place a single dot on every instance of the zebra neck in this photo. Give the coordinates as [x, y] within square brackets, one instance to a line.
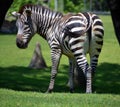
[44, 20]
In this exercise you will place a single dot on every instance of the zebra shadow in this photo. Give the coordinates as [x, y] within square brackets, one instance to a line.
[26, 79]
[23, 78]
[107, 79]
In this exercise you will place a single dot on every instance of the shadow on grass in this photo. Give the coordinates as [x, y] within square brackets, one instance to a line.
[27, 79]
[107, 79]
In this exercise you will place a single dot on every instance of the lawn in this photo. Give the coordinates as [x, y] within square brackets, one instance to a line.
[24, 87]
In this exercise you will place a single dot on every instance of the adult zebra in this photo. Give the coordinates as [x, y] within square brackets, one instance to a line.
[72, 34]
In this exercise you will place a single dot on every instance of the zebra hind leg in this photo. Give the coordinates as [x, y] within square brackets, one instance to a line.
[71, 74]
[80, 77]
[89, 80]
[82, 62]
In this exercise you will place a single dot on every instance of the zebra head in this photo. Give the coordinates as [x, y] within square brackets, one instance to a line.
[26, 28]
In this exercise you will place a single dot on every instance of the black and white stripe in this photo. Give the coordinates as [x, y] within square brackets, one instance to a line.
[74, 35]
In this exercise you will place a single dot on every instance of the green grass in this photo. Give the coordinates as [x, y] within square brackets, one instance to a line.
[11, 98]
[21, 86]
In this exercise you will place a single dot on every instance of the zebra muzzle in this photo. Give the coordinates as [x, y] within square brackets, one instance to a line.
[20, 44]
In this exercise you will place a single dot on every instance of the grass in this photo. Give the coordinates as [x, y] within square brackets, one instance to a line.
[32, 99]
[22, 87]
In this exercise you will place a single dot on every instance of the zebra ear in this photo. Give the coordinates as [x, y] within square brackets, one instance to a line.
[15, 14]
[28, 12]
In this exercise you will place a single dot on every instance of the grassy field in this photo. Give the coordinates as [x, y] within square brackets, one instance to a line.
[21, 86]
[11, 98]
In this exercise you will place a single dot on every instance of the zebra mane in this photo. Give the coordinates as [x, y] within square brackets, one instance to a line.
[22, 8]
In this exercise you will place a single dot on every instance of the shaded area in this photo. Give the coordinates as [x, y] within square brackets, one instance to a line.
[8, 27]
[4, 6]
[27, 79]
[22, 78]
[107, 79]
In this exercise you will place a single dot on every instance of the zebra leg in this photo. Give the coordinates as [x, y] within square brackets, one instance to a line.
[96, 41]
[89, 80]
[82, 62]
[95, 50]
[93, 63]
[94, 55]
[79, 54]
[56, 55]
[71, 74]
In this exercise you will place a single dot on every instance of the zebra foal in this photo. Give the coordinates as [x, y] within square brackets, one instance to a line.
[74, 35]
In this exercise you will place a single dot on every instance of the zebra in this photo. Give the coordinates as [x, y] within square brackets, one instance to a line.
[73, 35]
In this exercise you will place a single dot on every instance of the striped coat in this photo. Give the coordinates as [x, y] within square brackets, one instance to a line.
[74, 35]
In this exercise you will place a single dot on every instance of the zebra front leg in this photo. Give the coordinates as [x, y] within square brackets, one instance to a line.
[56, 55]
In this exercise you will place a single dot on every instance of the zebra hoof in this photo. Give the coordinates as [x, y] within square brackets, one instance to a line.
[88, 92]
[71, 90]
[49, 91]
